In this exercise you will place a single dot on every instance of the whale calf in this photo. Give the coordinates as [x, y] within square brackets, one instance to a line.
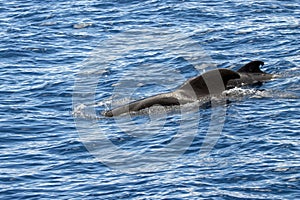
[209, 83]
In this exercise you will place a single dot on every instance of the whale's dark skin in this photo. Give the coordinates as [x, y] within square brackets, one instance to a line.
[197, 88]
[211, 82]
[250, 74]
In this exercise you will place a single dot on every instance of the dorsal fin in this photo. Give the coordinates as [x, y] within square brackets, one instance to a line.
[252, 67]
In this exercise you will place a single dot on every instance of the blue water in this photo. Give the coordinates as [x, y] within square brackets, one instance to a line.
[52, 131]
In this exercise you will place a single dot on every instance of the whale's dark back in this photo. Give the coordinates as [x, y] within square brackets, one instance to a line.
[214, 81]
[205, 84]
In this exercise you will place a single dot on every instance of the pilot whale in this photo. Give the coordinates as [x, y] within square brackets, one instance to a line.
[250, 74]
[197, 88]
[210, 83]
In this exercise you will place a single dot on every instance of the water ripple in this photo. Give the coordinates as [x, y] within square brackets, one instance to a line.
[46, 44]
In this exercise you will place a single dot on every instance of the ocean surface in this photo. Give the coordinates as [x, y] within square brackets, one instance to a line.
[62, 63]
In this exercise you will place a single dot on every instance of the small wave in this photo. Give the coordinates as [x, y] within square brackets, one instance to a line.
[82, 25]
[239, 92]
[85, 112]
[274, 94]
